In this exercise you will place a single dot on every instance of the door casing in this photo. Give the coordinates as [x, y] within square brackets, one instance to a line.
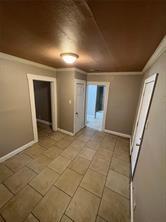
[31, 78]
[152, 78]
[106, 93]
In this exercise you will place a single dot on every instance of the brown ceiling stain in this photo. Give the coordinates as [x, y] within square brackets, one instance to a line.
[107, 35]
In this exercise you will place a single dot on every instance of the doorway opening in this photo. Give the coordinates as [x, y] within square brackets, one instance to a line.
[43, 100]
[96, 105]
[42, 93]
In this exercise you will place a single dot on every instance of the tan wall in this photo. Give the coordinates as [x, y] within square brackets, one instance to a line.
[150, 177]
[15, 112]
[122, 102]
[65, 92]
[65, 82]
[42, 91]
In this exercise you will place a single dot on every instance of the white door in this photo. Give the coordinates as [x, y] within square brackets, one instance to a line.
[141, 119]
[79, 105]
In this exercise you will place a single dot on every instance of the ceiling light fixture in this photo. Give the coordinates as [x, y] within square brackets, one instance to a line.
[69, 58]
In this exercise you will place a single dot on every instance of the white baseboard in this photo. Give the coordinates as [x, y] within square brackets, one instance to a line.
[66, 132]
[117, 133]
[44, 122]
[16, 151]
[131, 202]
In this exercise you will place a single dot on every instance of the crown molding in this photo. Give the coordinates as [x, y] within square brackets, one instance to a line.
[24, 61]
[157, 53]
[114, 73]
[73, 69]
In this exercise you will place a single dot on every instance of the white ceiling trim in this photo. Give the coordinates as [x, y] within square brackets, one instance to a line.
[157, 53]
[114, 73]
[24, 61]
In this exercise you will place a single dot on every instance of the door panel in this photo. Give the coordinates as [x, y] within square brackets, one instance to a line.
[141, 121]
[79, 106]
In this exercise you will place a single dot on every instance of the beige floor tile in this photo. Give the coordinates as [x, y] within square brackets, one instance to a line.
[5, 172]
[46, 142]
[97, 139]
[122, 145]
[20, 179]
[100, 165]
[63, 144]
[107, 146]
[83, 207]
[122, 155]
[53, 152]
[93, 182]
[87, 153]
[120, 166]
[88, 132]
[35, 151]
[44, 180]
[70, 152]
[84, 138]
[42, 134]
[69, 181]
[31, 218]
[57, 136]
[92, 145]
[17, 209]
[104, 154]
[59, 164]
[78, 144]
[70, 138]
[17, 162]
[65, 219]
[111, 138]
[99, 219]
[5, 195]
[118, 183]
[114, 207]
[39, 164]
[80, 165]
[50, 210]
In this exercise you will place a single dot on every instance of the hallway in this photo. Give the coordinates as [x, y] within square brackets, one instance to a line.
[84, 178]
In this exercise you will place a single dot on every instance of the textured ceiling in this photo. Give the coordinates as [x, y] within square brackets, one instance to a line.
[107, 35]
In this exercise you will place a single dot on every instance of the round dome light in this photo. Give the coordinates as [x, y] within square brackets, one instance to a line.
[69, 58]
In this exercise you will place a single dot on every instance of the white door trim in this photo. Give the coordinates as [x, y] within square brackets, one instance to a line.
[52, 81]
[149, 79]
[75, 82]
[106, 93]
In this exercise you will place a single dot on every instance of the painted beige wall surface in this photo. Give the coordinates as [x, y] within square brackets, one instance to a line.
[42, 91]
[65, 93]
[150, 177]
[15, 112]
[122, 102]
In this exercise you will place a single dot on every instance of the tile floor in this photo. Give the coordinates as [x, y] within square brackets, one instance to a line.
[84, 178]
[95, 123]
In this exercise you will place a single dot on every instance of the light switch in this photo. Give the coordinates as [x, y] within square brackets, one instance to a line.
[69, 101]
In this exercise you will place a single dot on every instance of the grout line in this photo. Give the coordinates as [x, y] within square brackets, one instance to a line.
[83, 175]
[34, 216]
[106, 179]
[10, 190]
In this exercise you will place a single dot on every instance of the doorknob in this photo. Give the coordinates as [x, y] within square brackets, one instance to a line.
[76, 113]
